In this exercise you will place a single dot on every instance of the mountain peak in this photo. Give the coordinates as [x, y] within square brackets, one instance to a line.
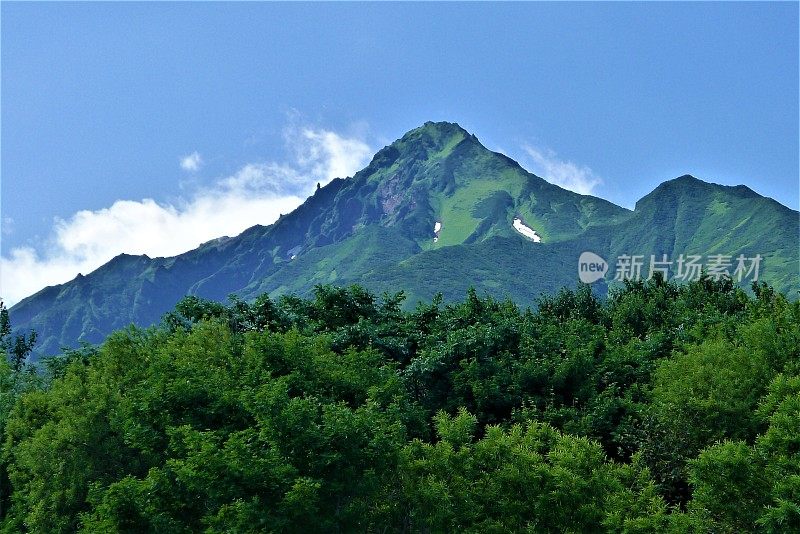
[681, 185]
[436, 135]
[688, 188]
[686, 180]
[439, 127]
[689, 183]
[421, 143]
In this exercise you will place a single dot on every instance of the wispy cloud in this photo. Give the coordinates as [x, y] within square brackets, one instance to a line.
[192, 162]
[7, 226]
[545, 163]
[256, 194]
[328, 154]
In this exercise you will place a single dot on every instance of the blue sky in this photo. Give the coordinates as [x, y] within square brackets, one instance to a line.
[149, 128]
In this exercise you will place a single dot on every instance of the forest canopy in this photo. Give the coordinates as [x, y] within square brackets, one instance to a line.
[662, 408]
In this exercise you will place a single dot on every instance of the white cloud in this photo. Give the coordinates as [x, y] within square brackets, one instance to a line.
[330, 155]
[256, 194]
[192, 162]
[566, 174]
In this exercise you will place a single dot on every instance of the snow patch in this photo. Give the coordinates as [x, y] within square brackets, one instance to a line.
[436, 229]
[293, 252]
[530, 233]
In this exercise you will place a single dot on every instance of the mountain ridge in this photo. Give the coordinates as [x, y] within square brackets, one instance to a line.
[379, 227]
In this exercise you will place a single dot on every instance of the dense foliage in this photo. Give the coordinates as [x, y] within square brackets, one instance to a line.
[663, 408]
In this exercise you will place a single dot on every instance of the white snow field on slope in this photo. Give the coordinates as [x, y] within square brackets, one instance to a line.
[436, 229]
[527, 232]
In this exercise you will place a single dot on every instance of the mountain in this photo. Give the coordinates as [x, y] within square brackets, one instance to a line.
[689, 216]
[435, 211]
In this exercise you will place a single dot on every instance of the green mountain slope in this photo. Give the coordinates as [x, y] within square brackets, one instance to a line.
[434, 211]
[691, 217]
